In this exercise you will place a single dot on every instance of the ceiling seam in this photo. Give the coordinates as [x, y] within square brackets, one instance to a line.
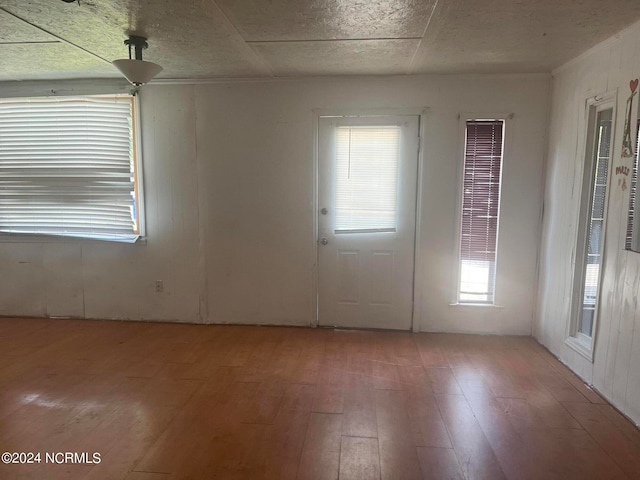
[31, 42]
[251, 42]
[262, 64]
[63, 40]
[437, 7]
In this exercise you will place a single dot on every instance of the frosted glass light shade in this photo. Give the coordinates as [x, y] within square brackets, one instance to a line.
[137, 72]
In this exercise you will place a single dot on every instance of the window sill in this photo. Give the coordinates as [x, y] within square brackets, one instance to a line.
[582, 347]
[53, 239]
[475, 305]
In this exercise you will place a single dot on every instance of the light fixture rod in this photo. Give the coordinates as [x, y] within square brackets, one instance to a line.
[138, 44]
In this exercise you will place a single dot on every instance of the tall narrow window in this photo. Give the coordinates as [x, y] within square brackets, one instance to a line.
[592, 222]
[632, 242]
[480, 211]
[68, 167]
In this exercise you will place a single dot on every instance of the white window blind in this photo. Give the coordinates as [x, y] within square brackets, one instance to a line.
[367, 160]
[480, 210]
[67, 167]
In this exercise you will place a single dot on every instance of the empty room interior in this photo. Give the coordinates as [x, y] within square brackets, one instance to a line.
[328, 239]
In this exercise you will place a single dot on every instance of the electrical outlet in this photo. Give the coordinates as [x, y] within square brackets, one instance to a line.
[159, 286]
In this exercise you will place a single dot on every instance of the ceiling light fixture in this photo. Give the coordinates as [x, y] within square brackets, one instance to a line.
[136, 70]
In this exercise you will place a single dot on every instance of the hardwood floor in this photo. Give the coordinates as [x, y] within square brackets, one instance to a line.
[169, 402]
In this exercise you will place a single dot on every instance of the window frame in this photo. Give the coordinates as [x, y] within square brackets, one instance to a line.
[6, 237]
[463, 118]
[574, 339]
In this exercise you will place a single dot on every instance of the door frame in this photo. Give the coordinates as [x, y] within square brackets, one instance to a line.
[422, 113]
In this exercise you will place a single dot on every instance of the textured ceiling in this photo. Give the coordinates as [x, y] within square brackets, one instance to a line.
[51, 39]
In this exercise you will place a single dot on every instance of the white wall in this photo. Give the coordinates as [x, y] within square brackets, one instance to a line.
[608, 67]
[229, 195]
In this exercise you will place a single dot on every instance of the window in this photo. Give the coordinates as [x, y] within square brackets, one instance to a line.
[632, 240]
[590, 238]
[592, 221]
[367, 160]
[593, 254]
[68, 167]
[480, 211]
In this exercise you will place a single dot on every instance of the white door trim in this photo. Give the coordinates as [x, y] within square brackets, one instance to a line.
[416, 317]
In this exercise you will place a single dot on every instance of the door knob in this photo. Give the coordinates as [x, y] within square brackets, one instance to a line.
[324, 211]
[324, 241]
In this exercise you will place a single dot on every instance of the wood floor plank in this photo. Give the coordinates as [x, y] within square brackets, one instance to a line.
[359, 409]
[474, 452]
[439, 464]
[321, 454]
[148, 476]
[230, 453]
[279, 452]
[426, 422]
[413, 376]
[385, 376]
[169, 456]
[330, 391]
[515, 459]
[264, 406]
[540, 409]
[443, 382]
[398, 455]
[125, 437]
[429, 350]
[35, 421]
[359, 459]
[43, 471]
[309, 366]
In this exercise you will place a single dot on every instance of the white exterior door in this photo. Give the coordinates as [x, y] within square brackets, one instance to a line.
[367, 181]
